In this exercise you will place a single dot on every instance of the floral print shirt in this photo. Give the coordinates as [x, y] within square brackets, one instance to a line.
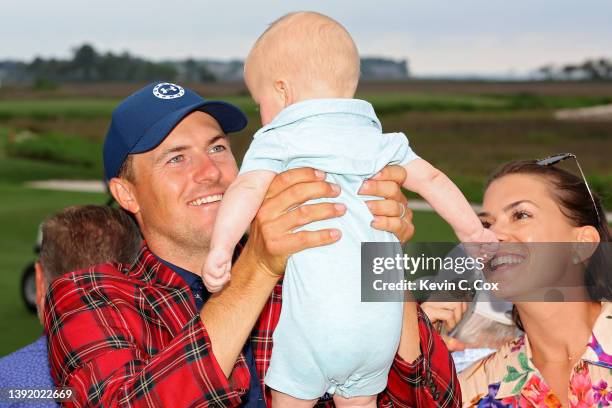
[508, 378]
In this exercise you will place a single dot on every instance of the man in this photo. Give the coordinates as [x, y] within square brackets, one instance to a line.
[74, 238]
[150, 335]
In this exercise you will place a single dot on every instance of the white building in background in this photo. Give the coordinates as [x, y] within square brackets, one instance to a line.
[384, 68]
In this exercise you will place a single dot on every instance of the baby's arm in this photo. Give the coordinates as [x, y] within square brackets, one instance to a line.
[240, 203]
[446, 199]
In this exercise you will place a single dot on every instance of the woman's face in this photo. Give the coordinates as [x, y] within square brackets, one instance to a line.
[523, 214]
[520, 208]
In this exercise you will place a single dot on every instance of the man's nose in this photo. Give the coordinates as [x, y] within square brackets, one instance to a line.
[206, 170]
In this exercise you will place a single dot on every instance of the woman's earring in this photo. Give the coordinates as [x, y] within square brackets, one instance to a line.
[575, 259]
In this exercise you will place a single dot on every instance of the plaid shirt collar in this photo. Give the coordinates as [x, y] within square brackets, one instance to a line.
[192, 280]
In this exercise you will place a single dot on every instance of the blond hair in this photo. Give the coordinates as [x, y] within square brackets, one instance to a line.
[312, 49]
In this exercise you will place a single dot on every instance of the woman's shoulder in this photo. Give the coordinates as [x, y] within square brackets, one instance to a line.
[477, 380]
[599, 348]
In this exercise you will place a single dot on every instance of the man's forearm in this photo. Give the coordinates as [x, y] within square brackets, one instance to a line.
[423, 378]
[230, 315]
[410, 342]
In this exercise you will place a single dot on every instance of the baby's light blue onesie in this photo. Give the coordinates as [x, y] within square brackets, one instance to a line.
[327, 339]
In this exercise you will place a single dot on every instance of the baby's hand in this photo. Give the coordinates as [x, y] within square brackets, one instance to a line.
[483, 236]
[216, 271]
[483, 244]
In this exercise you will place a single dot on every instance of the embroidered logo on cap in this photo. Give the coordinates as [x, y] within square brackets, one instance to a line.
[166, 90]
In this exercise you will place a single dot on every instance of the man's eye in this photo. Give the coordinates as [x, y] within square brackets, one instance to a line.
[176, 159]
[485, 224]
[218, 148]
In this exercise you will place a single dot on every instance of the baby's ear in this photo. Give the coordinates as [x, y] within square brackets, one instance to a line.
[283, 91]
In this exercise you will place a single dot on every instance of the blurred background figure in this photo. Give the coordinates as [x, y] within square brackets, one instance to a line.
[75, 238]
[473, 330]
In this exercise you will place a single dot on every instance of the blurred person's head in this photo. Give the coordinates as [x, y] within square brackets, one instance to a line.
[81, 236]
[168, 161]
[302, 55]
[526, 203]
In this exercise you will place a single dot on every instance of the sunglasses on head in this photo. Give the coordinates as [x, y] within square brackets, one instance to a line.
[557, 158]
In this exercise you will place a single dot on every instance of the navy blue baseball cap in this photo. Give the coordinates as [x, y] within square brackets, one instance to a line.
[144, 119]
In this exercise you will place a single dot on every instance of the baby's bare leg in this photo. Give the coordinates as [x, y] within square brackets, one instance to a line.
[365, 401]
[282, 400]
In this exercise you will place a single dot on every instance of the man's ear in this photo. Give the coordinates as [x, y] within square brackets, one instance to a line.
[41, 289]
[587, 239]
[284, 92]
[123, 192]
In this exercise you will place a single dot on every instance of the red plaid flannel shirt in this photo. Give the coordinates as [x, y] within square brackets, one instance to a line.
[129, 335]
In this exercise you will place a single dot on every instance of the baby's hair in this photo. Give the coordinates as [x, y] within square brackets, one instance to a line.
[311, 48]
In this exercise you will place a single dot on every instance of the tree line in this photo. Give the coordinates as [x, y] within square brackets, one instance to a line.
[596, 69]
[89, 65]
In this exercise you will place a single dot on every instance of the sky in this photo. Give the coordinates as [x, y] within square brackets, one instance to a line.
[509, 37]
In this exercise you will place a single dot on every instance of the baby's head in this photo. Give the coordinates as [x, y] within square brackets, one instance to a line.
[303, 55]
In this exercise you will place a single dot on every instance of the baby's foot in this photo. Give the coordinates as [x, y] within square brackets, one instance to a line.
[216, 271]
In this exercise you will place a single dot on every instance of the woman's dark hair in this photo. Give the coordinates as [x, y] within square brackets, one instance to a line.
[571, 194]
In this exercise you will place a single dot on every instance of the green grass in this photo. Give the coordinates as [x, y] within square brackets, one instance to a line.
[87, 108]
[429, 227]
[17, 170]
[389, 103]
[48, 156]
[55, 148]
[82, 108]
[525, 101]
[21, 211]
[57, 108]
[401, 102]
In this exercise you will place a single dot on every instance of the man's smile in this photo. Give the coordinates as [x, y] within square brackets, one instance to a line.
[205, 200]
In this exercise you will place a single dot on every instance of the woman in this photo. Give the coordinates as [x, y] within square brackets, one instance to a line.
[565, 357]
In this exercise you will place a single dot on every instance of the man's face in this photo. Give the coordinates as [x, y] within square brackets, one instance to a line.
[178, 185]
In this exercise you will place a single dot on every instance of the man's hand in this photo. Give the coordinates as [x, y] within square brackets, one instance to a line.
[391, 214]
[271, 238]
[446, 315]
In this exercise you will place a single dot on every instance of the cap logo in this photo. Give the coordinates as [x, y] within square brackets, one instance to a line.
[166, 90]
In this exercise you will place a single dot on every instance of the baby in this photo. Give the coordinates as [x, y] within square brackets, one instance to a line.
[303, 73]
